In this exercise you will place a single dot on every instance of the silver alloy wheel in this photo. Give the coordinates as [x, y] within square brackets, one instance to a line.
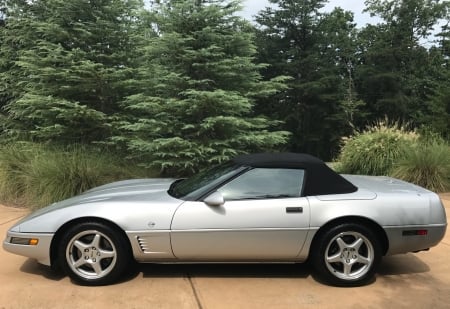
[349, 255]
[91, 254]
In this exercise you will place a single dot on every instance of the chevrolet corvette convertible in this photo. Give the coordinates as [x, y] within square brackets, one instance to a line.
[281, 207]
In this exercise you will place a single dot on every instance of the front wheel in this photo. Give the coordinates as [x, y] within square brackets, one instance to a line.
[93, 254]
[346, 255]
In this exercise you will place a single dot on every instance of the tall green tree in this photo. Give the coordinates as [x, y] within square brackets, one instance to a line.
[64, 66]
[200, 85]
[393, 77]
[2, 65]
[3, 61]
[2, 13]
[316, 50]
[438, 117]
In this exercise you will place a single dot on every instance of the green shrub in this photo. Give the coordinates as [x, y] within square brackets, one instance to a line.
[426, 164]
[374, 151]
[36, 175]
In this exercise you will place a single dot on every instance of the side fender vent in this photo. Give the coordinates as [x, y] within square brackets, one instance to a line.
[143, 244]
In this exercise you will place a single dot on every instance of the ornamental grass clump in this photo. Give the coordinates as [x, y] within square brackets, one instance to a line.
[426, 164]
[64, 172]
[14, 165]
[374, 151]
[35, 175]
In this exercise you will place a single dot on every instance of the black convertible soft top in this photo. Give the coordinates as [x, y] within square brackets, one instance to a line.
[319, 178]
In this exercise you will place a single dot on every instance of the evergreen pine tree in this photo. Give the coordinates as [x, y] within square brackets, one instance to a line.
[201, 82]
[315, 49]
[64, 66]
[394, 75]
[438, 115]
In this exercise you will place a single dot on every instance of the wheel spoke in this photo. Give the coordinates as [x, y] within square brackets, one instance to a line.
[104, 254]
[96, 241]
[347, 269]
[97, 267]
[335, 258]
[341, 243]
[363, 260]
[80, 262]
[80, 245]
[357, 244]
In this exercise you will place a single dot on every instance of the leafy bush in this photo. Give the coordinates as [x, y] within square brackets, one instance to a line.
[426, 164]
[374, 151]
[36, 175]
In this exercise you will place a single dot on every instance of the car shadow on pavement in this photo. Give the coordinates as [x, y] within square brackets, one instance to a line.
[32, 267]
[226, 270]
[391, 265]
[402, 264]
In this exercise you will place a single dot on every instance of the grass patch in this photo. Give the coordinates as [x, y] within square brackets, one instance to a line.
[35, 175]
[14, 166]
[426, 164]
[374, 151]
[390, 149]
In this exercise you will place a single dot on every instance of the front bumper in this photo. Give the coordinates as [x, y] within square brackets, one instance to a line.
[40, 251]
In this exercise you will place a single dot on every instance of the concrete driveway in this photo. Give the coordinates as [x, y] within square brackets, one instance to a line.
[419, 280]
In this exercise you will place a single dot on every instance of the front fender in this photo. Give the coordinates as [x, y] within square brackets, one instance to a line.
[129, 216]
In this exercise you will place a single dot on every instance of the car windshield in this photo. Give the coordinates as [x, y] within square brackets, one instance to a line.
[201, 183]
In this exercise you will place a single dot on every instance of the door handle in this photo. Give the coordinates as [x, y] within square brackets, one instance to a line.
[294, 209]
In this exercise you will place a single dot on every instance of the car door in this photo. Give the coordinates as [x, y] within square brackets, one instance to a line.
[263, 217]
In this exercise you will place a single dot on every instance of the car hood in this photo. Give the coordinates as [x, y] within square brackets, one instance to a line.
[154, 190]
[126, 187]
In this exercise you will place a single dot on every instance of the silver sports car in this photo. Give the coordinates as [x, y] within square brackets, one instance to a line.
[281, 207]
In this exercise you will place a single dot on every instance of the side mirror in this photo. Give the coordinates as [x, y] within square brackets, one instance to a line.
[214, 199]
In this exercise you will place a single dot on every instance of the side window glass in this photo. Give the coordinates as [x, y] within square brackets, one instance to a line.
[260, 183]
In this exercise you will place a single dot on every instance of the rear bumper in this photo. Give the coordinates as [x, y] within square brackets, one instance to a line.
[401, 241]
[40, 251]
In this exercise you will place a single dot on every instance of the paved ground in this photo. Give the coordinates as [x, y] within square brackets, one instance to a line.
[419, 280]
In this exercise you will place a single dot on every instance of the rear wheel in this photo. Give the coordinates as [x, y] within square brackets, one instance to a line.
[93, 253]
[346, 255]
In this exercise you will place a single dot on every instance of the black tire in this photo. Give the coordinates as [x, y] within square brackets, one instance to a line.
[93, 253]
[346, 255]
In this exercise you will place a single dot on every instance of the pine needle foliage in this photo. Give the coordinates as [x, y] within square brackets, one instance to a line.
[63, 67]
[317, 50]
[201, 83]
